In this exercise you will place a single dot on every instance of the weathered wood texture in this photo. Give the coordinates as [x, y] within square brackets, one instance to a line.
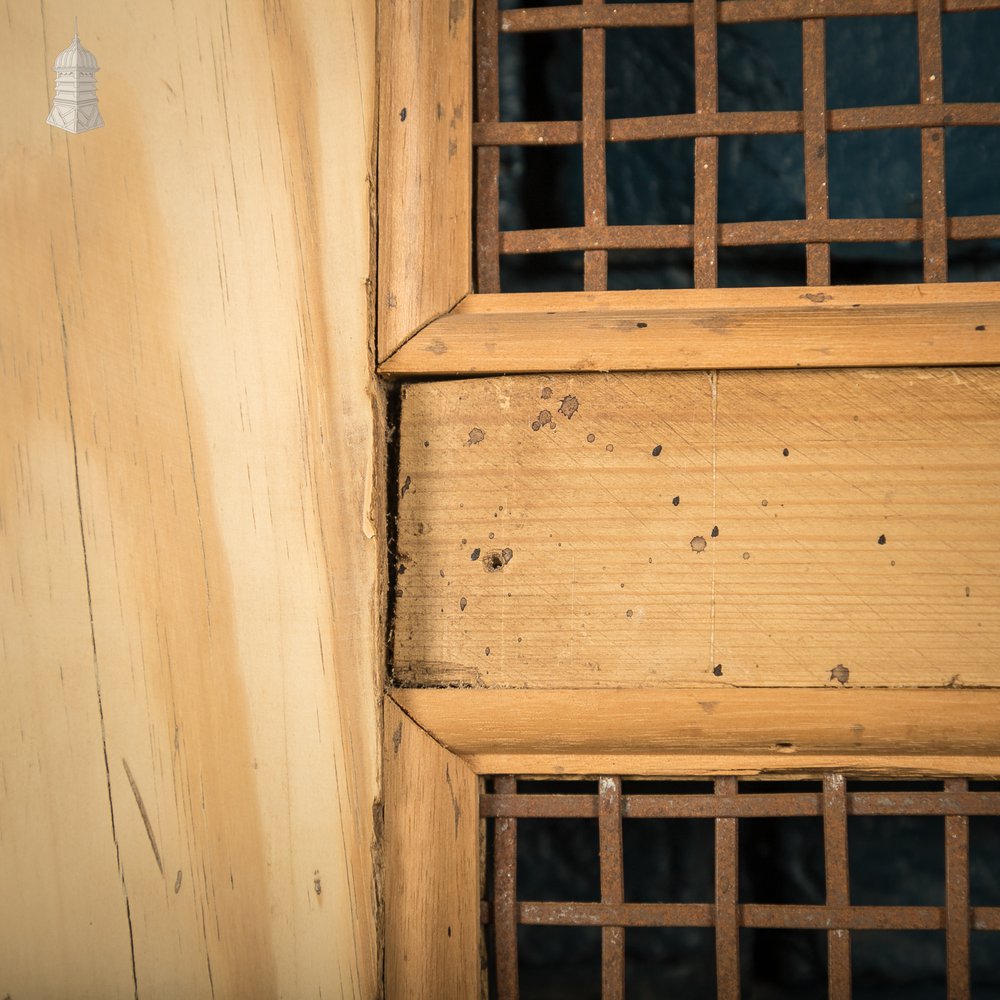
[431, 847]
[722, 731]
[825, 528]
[888, 325]
[425, 163]
[188, 518]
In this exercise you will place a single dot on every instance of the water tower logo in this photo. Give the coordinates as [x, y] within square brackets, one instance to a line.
[74, 107]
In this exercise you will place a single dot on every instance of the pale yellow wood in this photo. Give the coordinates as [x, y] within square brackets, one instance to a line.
[597, 561]
[431, 850]
[704, 730]
[425, 163]
[755, 328]
[189, 607]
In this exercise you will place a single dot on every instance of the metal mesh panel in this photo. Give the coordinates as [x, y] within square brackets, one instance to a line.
[705, 235]
[837, 917]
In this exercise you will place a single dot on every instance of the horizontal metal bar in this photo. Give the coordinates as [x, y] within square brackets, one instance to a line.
[745, 806]
[568, 133]
[753, 915]
[666, 15]
[741, 234]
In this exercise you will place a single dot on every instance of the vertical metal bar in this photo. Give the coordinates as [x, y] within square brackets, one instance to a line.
[487, 157]
[727, 886]
[612, 886]
[595, 191]
[935, 212]
[505, 897]
[838, 884]
[815, 143]
[957, 912]
[706, 148]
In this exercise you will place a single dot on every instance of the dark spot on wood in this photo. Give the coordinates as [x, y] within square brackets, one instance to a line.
[763, 503]
[544, 420]
[657, 450]
[475, 555]
[881, 539]
[783, 746]
[981, 328]
[629, 613]
[816, 296]
[402, 115]
[427, 444]
[462, 604]
[968, 591]
[676, 501]
[746, 555]
[476, 436]
[591, 438]
[717, 670]
[715, 531]
[397, 738]
[609, 447]
[784, 451]
[317, 884]
[840, 673]
[178, 881]
[493, 534]
[698, 544]
[496, 560]
[405, 489]
[487, 651]
[569, 406]
[547, 392]
[641, 326]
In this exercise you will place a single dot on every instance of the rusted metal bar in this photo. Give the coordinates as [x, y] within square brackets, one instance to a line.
[957, 915]
[776, 805]
[706, 148]
[735, 123]
[487, 157]
[505, 913]
[814, 143]
[667, 15]
[837, 883]
[612, 887]
[935, 211]
[727, 887]
[595, 196]
[753, 915]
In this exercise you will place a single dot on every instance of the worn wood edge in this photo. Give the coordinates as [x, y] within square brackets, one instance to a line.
[880, 326]
[431, 857]
[750, 766]
[424, 165]
[776, 728]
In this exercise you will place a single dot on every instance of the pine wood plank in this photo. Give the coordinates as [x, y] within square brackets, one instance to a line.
[713, 731]
[890, 325]
[425, 164]
[431, 849]
[189, 607]
[652, 531]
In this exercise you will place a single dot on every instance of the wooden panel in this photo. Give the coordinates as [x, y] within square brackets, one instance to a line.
[713, 731]
[823, 528]
[756, 328]
[431, 849]
[425, 164]
[188, 602]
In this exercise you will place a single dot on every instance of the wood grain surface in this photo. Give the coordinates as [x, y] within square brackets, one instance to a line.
[688, 329]
[425, 164]
[824, 528]
[431, 847]
[188, 506]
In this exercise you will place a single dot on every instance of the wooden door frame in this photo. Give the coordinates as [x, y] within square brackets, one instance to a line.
[430, 323]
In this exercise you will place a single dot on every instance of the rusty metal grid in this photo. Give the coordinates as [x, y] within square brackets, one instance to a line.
[727, 806]
[814, 122]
